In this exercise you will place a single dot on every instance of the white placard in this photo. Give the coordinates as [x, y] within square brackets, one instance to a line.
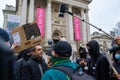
[13, 18]
[16, 38]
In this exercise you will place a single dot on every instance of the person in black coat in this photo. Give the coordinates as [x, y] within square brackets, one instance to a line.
[82, 53]
[34, 68]
[7, 59]
[99, 65]
[83, 60]
[25, 55]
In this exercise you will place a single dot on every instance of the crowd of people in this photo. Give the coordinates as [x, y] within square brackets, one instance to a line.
[31, 65]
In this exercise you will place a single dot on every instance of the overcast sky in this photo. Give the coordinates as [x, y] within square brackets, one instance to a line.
[2, 6]
[103, 13]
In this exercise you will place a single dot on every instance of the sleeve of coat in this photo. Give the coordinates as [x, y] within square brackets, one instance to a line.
[17, 71]
[26, 72]
[104, 69]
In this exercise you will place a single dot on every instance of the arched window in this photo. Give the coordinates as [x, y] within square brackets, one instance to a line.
[56, 34]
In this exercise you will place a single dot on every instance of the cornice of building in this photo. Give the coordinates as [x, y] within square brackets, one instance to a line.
[8, 11]
[99, 35]
[73, 3]
[89, 1]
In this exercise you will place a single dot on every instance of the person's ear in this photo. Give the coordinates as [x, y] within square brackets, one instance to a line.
[54, 53]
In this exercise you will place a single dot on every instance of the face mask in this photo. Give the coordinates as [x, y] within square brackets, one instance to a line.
[117, 56]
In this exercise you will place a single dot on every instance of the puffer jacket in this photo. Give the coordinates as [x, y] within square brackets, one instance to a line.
[54, 74]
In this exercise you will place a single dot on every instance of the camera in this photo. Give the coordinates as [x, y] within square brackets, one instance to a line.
[114, 48]
[51, 43]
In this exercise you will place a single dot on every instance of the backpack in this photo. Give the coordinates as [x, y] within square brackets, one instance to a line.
[78, 75]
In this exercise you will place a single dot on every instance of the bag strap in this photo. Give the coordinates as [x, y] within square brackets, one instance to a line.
[68, 71]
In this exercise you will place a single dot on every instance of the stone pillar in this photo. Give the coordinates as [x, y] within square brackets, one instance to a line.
[48, 28]
[24, 12]
[83, 27]
[87, 25]
[31, 11]
[19, 7]
[69, 26]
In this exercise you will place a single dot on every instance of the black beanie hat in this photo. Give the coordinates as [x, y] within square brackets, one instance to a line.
[4, 35]
[63, 49]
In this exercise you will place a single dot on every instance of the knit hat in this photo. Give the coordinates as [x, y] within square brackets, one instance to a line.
[63, 49]
[4, 35]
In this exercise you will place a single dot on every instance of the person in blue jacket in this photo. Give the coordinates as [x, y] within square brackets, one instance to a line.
[60, 57]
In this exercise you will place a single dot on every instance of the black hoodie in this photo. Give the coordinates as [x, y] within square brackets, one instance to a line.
[100, 62]
[93, 49]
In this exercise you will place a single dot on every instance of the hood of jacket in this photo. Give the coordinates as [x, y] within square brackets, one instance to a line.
[93, 49]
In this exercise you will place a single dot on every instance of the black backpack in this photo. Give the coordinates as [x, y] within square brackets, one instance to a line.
[78, 75]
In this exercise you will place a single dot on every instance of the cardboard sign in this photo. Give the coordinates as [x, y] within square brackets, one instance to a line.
[26, 36]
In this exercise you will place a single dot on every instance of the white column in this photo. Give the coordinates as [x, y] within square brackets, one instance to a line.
[87, 26]
[19, 7]
[83, 26]
[24, 12]
[31, 11]
[48, 21]
[69, 26]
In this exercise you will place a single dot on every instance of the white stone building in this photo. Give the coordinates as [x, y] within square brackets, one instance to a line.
[54, 25]
[104, 41]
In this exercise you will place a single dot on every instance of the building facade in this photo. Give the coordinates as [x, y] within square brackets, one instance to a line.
[104, 41]
[9, 9]
[54, 25]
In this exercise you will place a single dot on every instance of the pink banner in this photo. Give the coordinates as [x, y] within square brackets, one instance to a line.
[77, 33]
[40, 18]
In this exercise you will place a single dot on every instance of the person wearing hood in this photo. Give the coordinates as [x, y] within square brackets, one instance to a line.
[61, 53]
[83, 60]
[99, 65]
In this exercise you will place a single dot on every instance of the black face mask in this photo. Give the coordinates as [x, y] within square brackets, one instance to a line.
[93, 48]
[90, 52]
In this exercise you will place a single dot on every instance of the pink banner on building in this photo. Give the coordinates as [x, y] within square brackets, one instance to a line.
[77, 34]
[40, 19]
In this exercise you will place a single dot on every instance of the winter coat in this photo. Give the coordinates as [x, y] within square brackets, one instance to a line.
[99, 65]
[31, 69]
[19, 67]
[53, 74]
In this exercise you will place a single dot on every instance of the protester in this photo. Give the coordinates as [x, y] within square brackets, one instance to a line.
[48, 53]
[99, 65]
[83, 60]
[116, 60]
[25, 55]
[60, 57]
[116, 64]
[7, 59]
[5, 37]
[117, 40]
[34, 68]
[82, 53]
